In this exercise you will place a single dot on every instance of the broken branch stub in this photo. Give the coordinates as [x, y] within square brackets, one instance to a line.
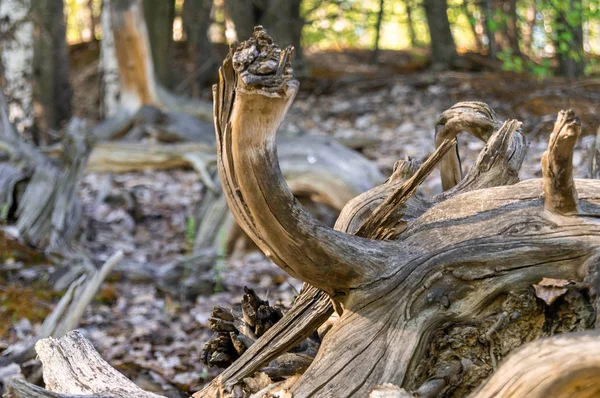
[254, 93]
[476, 118]
[560, 195]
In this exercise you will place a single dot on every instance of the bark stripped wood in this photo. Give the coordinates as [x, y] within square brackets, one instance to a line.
[467, 262]
[258, 103]
[39, 192]
[448, 264]
[477, 119]
[573, 359]
[497, 164]
[73, 368]
[383, 224]
[489, 170]
[137, 81]
[560, 195]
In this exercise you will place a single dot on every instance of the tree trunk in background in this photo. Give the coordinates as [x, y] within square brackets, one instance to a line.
[378, 31]
[409, 20]
[488, 12]
[110, 89]
[443, 50]
[281, 18]
[473, 25]
[528, 31]
[159, 15]
[196, 21]
[93, 20]
[16, 55]
[245, 14]
[512, 29]
[51, 86]
[569, 43]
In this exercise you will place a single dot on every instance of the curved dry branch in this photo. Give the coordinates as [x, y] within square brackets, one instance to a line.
[561, 366]
[476, 118]
[560, 195]
[254, 93]
[384, 221]
[498, 163]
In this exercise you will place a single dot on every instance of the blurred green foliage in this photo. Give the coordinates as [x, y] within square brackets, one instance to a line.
[544, 27]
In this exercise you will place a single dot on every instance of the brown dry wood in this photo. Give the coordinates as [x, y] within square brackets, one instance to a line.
[474, 117]
[572, 359]
[448, 264]
[560, 195]
[498, 164]
[136, 70]
[467, 249]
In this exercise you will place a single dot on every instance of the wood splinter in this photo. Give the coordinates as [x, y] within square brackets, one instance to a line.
[560, 195]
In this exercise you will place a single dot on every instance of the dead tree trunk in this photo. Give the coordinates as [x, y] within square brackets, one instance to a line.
[52, 88]
[159, 15]
[16, 56]
[38, 192]
[426, 288]
[129, 77]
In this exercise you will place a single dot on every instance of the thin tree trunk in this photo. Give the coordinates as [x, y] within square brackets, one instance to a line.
[245, 16]
[52, 89]
[473, 25]
[93, 22]
[528, 31]
[16, 61]
[196, 21]
[512, 29]
[378, 31]
[488, 12]
[443, 49]
[409, 20]
[110, 90]
[159, 15]
[571, 55]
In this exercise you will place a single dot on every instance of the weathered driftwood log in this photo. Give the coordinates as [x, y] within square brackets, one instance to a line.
[447, 266]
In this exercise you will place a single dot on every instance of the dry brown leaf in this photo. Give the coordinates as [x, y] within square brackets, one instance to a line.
[257, 382]
[549, 289]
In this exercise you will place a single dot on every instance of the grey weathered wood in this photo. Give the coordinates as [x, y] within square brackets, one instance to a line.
[46, 211]
[468, 248]
[573, 359]
[471, 245]
[477, 119]
[73, 369]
